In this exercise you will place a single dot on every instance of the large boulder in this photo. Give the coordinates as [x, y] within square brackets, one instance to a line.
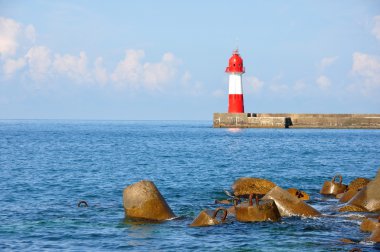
[368, 197]
[290, 205]
[142, 200]
[248, 186]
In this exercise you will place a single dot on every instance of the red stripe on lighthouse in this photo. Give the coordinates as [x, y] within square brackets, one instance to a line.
[235, 103]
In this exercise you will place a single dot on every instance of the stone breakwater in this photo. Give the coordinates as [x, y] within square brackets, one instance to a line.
[286, 120]
[143, 202]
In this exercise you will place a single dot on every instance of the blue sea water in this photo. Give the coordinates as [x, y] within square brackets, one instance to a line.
[46, 167]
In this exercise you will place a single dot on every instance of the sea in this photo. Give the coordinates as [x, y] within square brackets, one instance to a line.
[48, 166]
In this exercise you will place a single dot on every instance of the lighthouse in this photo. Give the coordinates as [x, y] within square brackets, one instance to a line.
[235, 71]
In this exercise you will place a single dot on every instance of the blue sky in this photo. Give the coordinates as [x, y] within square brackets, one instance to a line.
[166, 59]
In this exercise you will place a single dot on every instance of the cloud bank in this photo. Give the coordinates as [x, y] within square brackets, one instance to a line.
[42, 64]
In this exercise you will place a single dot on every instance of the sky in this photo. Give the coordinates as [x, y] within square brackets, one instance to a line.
[165, 60]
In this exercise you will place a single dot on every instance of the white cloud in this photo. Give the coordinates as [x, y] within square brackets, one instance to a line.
[17, 39]
[327, 61]
[133, 73]
[12, 65]
[12, 34]
[9, 30]
[376, 28]
[129, 69]
[158, 74]
[323, 82]
[100, 72]
[73, 67]
[367, 69]
[39, 62]
[253, 84]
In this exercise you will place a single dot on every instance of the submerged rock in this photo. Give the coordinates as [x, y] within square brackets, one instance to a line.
[248, 186]
[142, 200]
[290, 205]
[298, 193]
[332, 187]
[208, 218]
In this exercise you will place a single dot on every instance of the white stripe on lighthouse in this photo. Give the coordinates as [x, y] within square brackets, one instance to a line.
[235, 86]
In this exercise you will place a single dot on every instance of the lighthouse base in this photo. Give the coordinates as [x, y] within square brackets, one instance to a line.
[327, 121]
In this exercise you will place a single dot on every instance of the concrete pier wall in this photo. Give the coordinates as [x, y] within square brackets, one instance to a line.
[287, 120]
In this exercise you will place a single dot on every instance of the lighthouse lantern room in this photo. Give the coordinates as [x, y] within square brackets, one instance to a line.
[235, 71]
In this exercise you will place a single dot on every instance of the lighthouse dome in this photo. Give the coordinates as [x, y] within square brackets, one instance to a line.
[235, 64]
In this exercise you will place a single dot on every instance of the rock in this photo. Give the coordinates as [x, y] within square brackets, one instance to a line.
[289, 205]
[369, 224]
[142, 200]
[358, 183]
[208, 218]
[368, 197]
[353, 188]
[332, 187]
[346, 196]
[348, 208]
[298, 193]
[247, 186]
[264, 210]
[375, 236]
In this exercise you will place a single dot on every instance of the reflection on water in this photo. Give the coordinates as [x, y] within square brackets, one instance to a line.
[234, 130]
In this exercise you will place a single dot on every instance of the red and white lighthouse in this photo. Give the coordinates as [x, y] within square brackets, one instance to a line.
[235, 71]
